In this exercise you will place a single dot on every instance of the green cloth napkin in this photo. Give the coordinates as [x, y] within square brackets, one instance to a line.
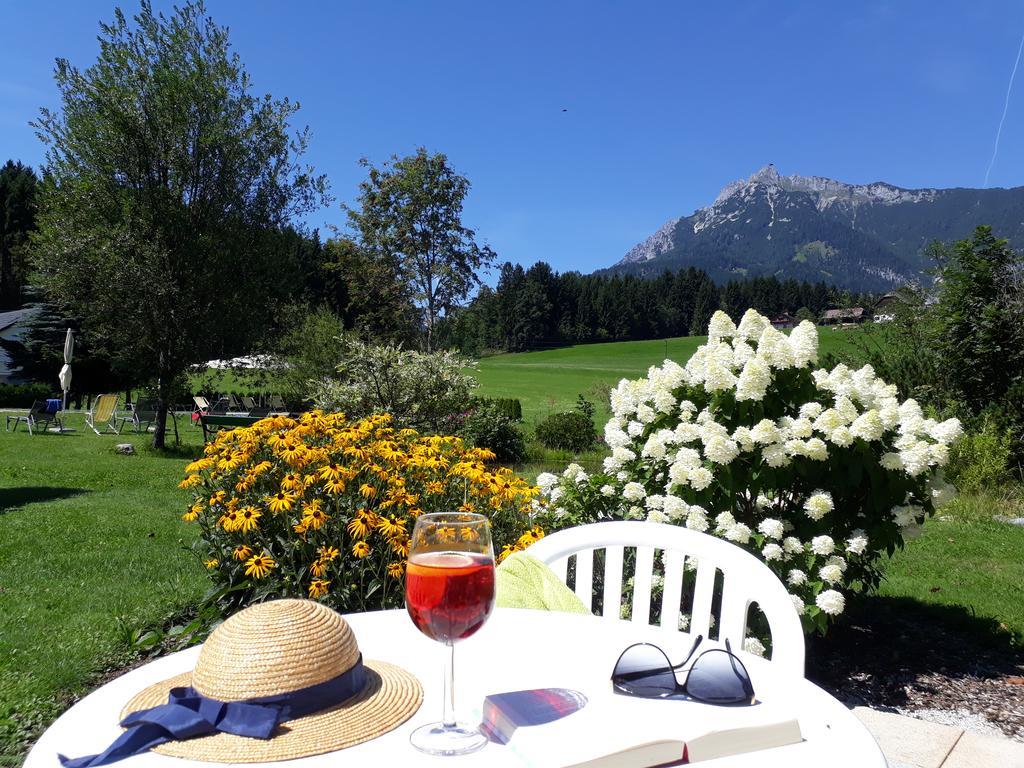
[525, 582]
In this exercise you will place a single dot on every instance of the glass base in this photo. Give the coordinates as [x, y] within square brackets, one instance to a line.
[439, 739]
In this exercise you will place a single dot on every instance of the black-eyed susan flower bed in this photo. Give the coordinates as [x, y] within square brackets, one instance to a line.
[322, 507]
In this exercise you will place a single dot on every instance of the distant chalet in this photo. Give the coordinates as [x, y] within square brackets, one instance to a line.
[843, 316]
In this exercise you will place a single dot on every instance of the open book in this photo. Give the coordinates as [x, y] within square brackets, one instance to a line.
[708, 746]
[614, 731]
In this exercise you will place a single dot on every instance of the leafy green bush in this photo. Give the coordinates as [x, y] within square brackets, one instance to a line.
[568, 431]
[487, 425]
[23, 395]
[980, 459]
[509, 407]
[425, 391]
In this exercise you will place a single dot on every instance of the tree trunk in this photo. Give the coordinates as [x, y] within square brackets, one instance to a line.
[160, 428]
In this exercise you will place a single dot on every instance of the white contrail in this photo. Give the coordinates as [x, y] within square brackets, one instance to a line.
[1006, 106]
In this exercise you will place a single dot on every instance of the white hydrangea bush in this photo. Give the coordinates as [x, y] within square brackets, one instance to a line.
[819, 473]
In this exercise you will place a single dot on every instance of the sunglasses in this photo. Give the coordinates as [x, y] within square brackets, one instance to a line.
[716, 676]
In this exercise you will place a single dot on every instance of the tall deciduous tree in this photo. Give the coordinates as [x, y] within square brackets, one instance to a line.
[981, 316]
[410, 210]
[17, 220]
[170, 186]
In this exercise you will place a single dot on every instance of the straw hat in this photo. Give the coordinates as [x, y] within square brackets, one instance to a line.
[277, 647]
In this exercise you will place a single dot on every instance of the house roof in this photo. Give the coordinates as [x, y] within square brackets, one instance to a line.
[839, 314]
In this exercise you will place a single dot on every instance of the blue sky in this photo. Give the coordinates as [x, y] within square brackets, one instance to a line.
[666, 102]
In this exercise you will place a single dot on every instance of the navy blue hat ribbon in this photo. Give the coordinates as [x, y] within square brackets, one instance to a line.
[188, 714]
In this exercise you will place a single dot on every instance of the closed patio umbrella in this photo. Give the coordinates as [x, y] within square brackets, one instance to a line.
[65, 372]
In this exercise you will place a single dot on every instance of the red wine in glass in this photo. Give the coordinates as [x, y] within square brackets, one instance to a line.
[449, 595]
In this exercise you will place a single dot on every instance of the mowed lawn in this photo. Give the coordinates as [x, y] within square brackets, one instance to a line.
[92, 546]
[551, 380]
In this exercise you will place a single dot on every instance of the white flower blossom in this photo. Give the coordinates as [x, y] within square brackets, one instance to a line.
[607, 490]
[700, 478]
[818, 505]
[720, 449]
[754, 646]
[857, 543]
[633, 492]
[765, 432]
[697, 519]
[868, 426]
[771, 528]
[804, 342]
[721, 326]
[823, 545]
[831, 602]
[753, 380]
[656, 516]
[675, 508]
[774, 348]
[738, 533]
[752, 325]
[546, 480]
[771, 551]
[793, 545]
[947, 431]
[796, 577]
[830, 574]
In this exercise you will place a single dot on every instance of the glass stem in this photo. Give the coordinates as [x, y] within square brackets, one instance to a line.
[448, 716]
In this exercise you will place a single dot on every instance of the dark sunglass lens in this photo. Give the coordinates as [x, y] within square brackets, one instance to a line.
[644, 670]
[718, 677]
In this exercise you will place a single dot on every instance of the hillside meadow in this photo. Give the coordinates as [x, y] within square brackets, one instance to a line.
[551, 380]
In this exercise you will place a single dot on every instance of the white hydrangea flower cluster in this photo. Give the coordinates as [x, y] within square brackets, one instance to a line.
[688, 443]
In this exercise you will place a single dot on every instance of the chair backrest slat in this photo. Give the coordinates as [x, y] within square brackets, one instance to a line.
[673, 593]
[735, 603]
[612, 597]
[585, 577]
[745, 580]
[642, 584]
[703, 594]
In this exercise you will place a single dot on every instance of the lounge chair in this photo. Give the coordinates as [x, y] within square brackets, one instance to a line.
[144, 416]
[38, 416]
[277, 404]
[248, 403]
[102, 415]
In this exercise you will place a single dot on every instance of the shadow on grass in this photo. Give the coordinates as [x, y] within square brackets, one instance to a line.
[897, 651]
[30, 494]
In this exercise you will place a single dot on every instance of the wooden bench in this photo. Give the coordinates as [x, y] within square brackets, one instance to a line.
[212, 423]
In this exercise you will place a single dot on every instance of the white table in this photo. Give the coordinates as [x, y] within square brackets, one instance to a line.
[516, 650]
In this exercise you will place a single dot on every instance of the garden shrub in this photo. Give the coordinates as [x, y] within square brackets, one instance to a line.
[426, 391]
[509, 407]
[980, 459]
[487, 425]
[818, 473]
[323, 507]
[568, 431]
[23, 395]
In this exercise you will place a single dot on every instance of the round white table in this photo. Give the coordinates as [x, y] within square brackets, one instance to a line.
[515, 650]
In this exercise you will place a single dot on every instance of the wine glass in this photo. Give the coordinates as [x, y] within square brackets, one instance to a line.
[449, 593]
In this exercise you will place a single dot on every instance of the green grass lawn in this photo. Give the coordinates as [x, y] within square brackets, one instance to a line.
[965, 558]
[91, 545]
[550, 381]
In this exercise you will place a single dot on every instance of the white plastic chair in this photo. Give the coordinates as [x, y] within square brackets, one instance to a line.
[746, 580]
